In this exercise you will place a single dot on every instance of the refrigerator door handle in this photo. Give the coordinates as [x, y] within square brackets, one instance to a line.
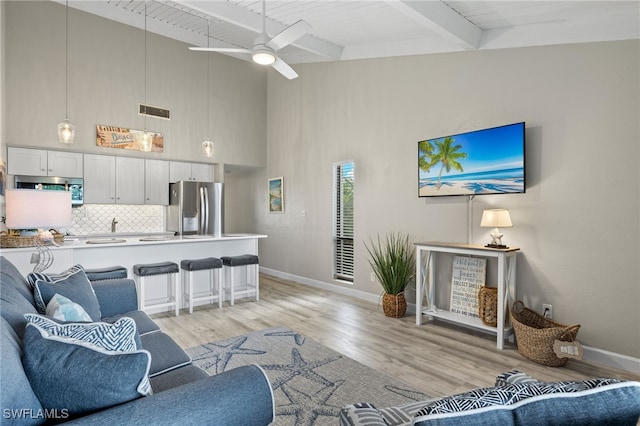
[205, 200]
[201, 211]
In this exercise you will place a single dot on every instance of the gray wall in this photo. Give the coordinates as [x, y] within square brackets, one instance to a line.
[578, 223]
[107, 81]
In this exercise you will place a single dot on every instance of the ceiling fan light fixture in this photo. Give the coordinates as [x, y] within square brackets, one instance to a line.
[263, 56]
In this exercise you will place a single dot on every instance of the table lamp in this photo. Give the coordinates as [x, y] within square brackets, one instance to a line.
[496, 218]
[32, 209]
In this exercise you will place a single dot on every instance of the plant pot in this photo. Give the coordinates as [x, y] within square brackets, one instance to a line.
[394, 305]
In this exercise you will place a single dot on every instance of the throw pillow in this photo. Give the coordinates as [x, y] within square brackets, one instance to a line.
[514, 377]
[63, 309]
[32, 277]
[79, 377]
[498, 405]
[75, 287]
[119, 336]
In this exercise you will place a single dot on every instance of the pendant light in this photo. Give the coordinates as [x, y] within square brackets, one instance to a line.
[66, 130]
[207, 145]
[147, 140]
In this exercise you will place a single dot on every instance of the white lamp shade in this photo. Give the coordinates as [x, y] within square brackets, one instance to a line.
[31, 209]
[496, 218]
[207, 148]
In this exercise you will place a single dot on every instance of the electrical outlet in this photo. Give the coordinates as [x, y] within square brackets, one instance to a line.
[372, 276]
[547, 310]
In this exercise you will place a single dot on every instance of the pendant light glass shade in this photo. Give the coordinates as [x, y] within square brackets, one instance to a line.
[146, 142]
[66, 132]
[207, 148]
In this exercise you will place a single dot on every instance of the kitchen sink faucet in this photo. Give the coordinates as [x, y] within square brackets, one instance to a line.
[114, 222]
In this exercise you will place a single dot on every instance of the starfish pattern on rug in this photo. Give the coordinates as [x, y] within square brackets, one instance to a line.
[297, 337]
[219, 354]
[300, 367]
[307, 408]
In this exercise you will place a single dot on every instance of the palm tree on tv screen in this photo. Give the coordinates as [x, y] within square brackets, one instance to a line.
[447, 155]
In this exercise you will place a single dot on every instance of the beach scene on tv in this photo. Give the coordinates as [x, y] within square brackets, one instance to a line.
[489, 161]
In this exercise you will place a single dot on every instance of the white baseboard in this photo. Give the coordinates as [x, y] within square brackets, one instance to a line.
[594, 355]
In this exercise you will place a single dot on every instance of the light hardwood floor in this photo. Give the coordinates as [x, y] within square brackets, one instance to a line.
[435, 358]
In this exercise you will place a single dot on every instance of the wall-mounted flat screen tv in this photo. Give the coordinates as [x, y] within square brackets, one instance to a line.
[487, 161]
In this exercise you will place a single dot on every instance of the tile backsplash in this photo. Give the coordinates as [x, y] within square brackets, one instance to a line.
[96, 219]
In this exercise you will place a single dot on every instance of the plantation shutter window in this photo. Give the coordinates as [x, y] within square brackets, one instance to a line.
[343, 220]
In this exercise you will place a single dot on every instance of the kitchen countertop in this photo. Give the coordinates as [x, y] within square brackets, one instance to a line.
[130, 239]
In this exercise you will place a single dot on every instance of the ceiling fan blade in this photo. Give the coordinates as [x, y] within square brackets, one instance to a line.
[289, 35]
[283, 68]
[220, 49]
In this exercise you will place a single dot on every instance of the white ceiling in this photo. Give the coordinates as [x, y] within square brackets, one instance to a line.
[357, 29]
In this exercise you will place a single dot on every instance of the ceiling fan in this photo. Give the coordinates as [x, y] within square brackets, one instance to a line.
[264, 48]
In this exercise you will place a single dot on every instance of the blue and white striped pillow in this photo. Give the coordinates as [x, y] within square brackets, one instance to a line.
[119, 336]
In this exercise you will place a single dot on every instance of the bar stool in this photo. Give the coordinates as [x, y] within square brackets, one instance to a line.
[188, 267]
[231, 263]
[169, 269]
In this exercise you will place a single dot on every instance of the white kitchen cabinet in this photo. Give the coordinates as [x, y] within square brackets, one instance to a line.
[156, 182]
[198, 172]
[40, 162]
[99, 179]
[109, 180]
[129, 180]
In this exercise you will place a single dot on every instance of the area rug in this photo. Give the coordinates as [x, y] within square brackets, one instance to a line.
[311, 382]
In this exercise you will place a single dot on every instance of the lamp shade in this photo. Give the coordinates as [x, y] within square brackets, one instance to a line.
[496, 218]
[31, 209]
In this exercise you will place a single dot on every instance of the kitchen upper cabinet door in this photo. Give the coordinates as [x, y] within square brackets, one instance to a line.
[29, 162]
[156, 182]
[99, 179]
[179, 171]
[202, 172]
[129, 180]
[64, 164]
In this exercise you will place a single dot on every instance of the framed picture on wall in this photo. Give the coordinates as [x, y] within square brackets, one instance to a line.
[276, 195]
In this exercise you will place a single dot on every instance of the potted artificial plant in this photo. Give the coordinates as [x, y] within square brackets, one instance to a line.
[393, 262]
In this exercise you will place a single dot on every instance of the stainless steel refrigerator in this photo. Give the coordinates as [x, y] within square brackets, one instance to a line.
[196, 208]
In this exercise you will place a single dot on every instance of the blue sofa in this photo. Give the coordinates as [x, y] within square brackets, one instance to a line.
[39, 369]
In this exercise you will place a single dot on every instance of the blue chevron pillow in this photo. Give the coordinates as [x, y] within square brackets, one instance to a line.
[538, 403]
[84, 367]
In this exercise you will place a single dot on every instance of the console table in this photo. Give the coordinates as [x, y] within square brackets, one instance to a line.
[426, 254]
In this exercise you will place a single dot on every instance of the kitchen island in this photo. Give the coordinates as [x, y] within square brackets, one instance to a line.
[127, 250]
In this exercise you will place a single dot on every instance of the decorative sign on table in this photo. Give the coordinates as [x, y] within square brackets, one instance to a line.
[123, 138]
[469, 274]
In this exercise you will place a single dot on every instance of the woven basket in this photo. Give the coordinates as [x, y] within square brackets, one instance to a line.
[488, 305]
[14, 240]
[394, 305]
[536, 334]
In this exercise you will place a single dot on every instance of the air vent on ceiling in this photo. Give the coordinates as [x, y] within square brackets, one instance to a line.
[153, 111]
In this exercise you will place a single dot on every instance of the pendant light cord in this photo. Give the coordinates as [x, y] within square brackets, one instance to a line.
[208, 85]
[145, 66]
[66, 64]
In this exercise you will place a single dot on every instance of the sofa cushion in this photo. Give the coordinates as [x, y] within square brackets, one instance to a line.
[63, 309]
[573, 402]
[76, 287]
[15, 295]
[178, 377]
[361, 414]
[144, 324]
[79, 377]
[22, 403]
[166, 355]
